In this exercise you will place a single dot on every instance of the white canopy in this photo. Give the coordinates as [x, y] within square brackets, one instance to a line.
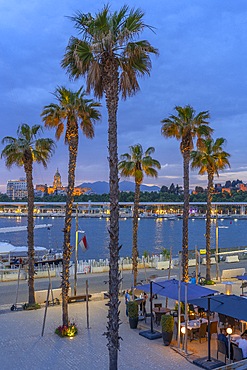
[6, 248]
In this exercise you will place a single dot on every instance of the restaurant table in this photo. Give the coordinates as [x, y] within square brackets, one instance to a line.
[159, 311]
[194, 325]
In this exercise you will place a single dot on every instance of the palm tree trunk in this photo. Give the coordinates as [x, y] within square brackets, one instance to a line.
[135, 232]
[185, 247]
[110, 81]
[28, 167]
[208, 223]
[73, 147]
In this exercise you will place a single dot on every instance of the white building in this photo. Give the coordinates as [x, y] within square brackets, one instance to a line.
[17, 189]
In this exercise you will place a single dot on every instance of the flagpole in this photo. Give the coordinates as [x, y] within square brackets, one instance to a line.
[76, 251]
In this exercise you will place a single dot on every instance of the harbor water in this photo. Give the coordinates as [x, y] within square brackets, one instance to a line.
[154, 234]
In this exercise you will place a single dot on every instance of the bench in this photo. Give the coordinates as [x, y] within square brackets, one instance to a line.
[76, 298]
[232, 259]
[232, 273]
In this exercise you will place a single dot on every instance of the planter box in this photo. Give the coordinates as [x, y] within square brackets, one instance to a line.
[192, 262]
[232, 259]
[163, 265]
[44, 274]
[212, 261]
[41, 295]
[100, 269]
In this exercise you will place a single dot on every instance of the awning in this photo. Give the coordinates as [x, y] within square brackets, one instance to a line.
[25, 249]
[229, 305]
[169, 288]
[6, 248]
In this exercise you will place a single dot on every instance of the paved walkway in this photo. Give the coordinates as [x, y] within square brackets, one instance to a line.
[22, 347]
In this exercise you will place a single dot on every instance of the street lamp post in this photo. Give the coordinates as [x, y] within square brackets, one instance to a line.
[229, 332]
[217, 246]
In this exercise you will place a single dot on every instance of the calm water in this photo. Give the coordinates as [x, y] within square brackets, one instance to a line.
[154, 234]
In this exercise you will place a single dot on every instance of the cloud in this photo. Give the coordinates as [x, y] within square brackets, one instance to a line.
[202, 62]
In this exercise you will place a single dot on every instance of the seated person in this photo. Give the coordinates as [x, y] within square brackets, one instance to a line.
[244, 332]
[223, 337]
[242, 343]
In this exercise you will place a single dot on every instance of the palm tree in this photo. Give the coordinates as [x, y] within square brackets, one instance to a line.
[111, 60]
[210, 158]
[72, 111]
[186, 126]
[23, 151]
[137, 164]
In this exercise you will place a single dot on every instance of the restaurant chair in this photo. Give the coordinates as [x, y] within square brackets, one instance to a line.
[222, 319]
[221, 348]
[201, 332]
[213, 327]
[237, 354]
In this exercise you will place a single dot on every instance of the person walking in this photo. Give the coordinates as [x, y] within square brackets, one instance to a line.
[127, 299]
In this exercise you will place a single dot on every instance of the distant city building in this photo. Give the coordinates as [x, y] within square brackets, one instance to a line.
[17, 189]
[241, 187]
[58, 187]
[226, 190]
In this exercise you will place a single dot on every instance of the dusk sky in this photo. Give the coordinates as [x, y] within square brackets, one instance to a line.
[202, 62]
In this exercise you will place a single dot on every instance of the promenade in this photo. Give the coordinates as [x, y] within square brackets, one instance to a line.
[23, 348]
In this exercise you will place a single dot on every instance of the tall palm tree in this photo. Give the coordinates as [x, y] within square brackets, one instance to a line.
[111, 59]
[186, 126]
[137, 164]
[210, 158]
[72, 111]
[23, 151]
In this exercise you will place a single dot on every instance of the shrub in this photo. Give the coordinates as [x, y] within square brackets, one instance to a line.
[181, 307]
[133, 309]
[28, 306]
[67, 331]
[167, 323]
[209, 282]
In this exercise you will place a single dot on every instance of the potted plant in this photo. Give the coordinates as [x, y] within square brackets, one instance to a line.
[133, 314]
[167, 324]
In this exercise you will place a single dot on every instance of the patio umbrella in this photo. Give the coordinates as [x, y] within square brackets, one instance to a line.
[170, 289]
[229, 305]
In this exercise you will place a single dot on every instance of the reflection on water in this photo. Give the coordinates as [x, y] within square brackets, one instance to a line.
[159, 237]
[153, 234]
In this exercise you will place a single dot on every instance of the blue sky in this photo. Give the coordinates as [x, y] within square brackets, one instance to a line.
[202, 62]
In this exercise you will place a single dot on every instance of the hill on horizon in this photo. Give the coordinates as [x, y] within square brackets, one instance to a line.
[102, 187]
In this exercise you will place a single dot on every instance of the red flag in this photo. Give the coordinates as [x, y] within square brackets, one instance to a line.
[83, 243]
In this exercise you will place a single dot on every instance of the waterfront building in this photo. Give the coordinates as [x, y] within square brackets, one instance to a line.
[58, 188]
[17, 189]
